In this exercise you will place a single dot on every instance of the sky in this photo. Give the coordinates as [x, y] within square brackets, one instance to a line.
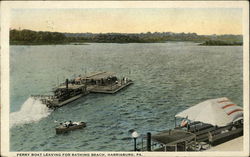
[205, 21]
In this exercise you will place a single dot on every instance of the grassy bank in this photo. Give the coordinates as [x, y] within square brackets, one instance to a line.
[221, 43]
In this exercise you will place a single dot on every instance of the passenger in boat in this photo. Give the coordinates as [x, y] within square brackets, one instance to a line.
[65, 124]
[70, 123]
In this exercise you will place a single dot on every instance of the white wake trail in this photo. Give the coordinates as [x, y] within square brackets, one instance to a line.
[32, 110]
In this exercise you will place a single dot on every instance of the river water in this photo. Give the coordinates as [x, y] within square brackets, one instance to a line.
[168, 78]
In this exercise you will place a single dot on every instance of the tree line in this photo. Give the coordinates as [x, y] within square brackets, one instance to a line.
[28, 36]
[44, 37]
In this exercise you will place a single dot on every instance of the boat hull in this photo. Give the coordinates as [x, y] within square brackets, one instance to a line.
[64, 129]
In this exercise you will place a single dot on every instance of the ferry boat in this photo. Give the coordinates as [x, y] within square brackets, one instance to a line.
[101, 82]
[64, 94]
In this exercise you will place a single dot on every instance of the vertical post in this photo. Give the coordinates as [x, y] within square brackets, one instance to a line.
[135, 144]
[142, 144]
[148, 141]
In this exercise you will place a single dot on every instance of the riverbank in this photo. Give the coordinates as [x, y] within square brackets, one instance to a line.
[221, 43]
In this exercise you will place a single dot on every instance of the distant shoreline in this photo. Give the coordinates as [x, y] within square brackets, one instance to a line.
[87, 43]
[29, 37]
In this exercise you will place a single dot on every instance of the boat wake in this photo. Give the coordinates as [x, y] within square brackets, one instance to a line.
[31, 111]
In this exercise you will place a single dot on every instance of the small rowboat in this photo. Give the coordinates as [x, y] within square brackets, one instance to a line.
[67, 127]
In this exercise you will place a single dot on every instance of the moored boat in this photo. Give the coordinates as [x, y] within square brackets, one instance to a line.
[69, 126]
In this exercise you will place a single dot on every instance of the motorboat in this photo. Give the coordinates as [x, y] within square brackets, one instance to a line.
[69, 126]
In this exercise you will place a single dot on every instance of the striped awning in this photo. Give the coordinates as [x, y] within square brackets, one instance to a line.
[220, 112]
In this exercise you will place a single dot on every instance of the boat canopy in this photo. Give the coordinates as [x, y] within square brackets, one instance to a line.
[173, 137]
[217, 112]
